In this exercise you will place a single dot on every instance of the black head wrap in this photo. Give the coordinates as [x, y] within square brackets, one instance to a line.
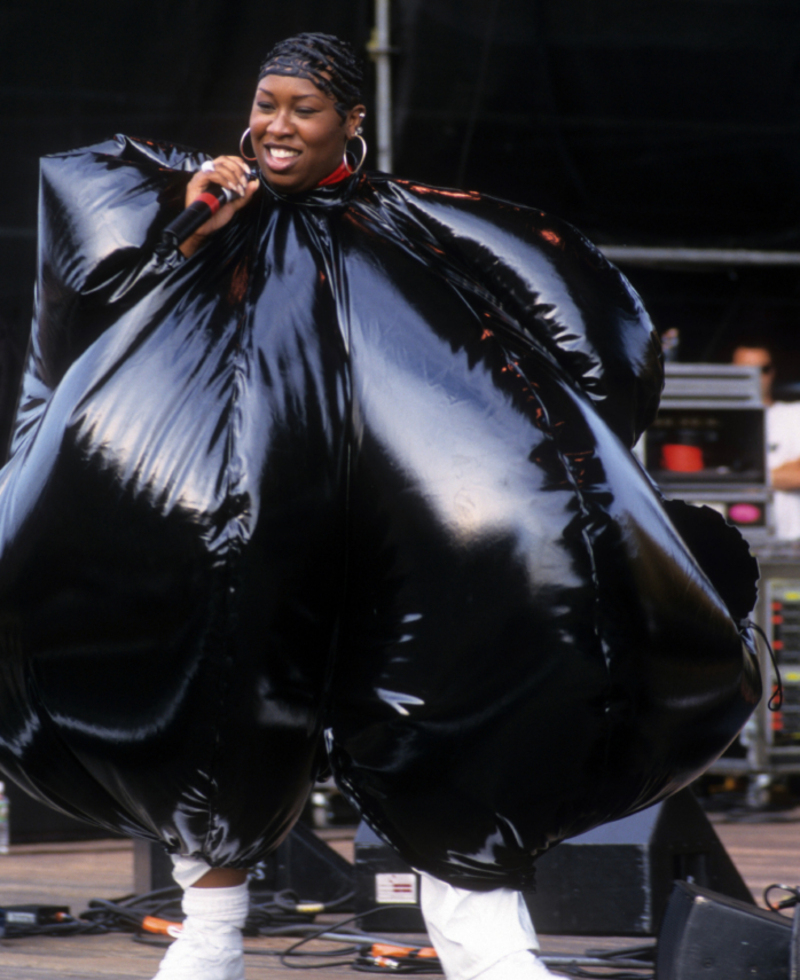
[311, 55]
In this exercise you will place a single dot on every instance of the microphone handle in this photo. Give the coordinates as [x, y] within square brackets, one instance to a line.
[198, 212]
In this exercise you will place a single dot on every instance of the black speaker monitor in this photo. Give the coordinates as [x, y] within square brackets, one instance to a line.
[708, 935]
[616, 880]
[303, 864]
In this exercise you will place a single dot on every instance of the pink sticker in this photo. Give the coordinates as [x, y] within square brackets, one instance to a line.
[745, 514]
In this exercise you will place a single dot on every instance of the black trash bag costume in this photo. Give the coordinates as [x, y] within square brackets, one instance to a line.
[361, 466]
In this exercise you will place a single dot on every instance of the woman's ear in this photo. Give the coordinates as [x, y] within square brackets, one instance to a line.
[355, 117]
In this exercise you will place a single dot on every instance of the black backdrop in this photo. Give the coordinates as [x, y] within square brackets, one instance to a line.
[660, 121]
[642, 121]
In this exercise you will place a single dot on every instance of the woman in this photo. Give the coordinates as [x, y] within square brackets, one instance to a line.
[356, 457]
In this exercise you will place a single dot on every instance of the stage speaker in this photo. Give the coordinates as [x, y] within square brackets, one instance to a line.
[310, 868]
[303, 864]
[152, 867]
[613, 881]
[714, 937]
[794, 952]
[616, 880]
[386, 888]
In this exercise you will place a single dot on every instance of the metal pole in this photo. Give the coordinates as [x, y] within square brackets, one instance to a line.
[380, 50]
[665, 256]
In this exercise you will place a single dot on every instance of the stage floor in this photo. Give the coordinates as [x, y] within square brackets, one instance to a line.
[765, 848]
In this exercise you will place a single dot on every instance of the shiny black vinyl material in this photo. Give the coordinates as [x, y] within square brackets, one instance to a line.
[360, 466]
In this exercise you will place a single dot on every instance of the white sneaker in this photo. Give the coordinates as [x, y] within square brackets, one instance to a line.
[204, 952]
[210, 945]
[522, 965]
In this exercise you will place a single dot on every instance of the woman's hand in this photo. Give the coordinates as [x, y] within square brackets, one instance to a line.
[231, 172]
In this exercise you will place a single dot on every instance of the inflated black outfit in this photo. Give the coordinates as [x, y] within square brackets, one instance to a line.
[361, 464]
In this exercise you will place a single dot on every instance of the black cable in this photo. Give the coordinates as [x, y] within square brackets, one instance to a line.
[646, 952]
[288, 923]
[271, 913]
[152, 939]
[283, 914]
[786, 903]
[68, 927]
[126, 914]
[624, 958]
[582, 972]
[412, 967]
[775, 703]
[315, 934]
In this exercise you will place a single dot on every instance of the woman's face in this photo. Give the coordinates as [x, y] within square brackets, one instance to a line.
[298, 136]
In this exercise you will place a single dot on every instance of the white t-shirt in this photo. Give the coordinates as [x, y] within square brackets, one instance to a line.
[783, 445]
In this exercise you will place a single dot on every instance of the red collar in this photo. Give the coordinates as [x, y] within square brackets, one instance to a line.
[338, 175]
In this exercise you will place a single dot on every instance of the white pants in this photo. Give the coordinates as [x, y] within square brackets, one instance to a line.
[486, 935]
[477, 935]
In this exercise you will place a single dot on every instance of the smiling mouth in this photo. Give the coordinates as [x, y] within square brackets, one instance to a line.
[280, 157]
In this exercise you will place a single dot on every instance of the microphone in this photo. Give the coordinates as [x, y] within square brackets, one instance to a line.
[198, 212]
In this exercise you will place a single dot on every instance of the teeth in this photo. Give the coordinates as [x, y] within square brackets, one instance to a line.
[282, 153]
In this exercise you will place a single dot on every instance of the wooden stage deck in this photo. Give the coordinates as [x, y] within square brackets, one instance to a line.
[765, 851]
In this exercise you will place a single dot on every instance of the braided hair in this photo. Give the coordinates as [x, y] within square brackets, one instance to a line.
[309, 56]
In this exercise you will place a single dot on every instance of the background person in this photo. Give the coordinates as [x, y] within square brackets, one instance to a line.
[783, 442]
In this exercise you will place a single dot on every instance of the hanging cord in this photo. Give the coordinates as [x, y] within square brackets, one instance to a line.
[775, 703]
[793, 891]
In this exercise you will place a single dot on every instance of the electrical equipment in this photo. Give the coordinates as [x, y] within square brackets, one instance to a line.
[771, 740]
[614, 880]
[23, 920]
[707, 444]
[783, 598]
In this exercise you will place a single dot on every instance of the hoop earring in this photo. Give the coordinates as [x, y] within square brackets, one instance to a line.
[358, 136]
[245, 134]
